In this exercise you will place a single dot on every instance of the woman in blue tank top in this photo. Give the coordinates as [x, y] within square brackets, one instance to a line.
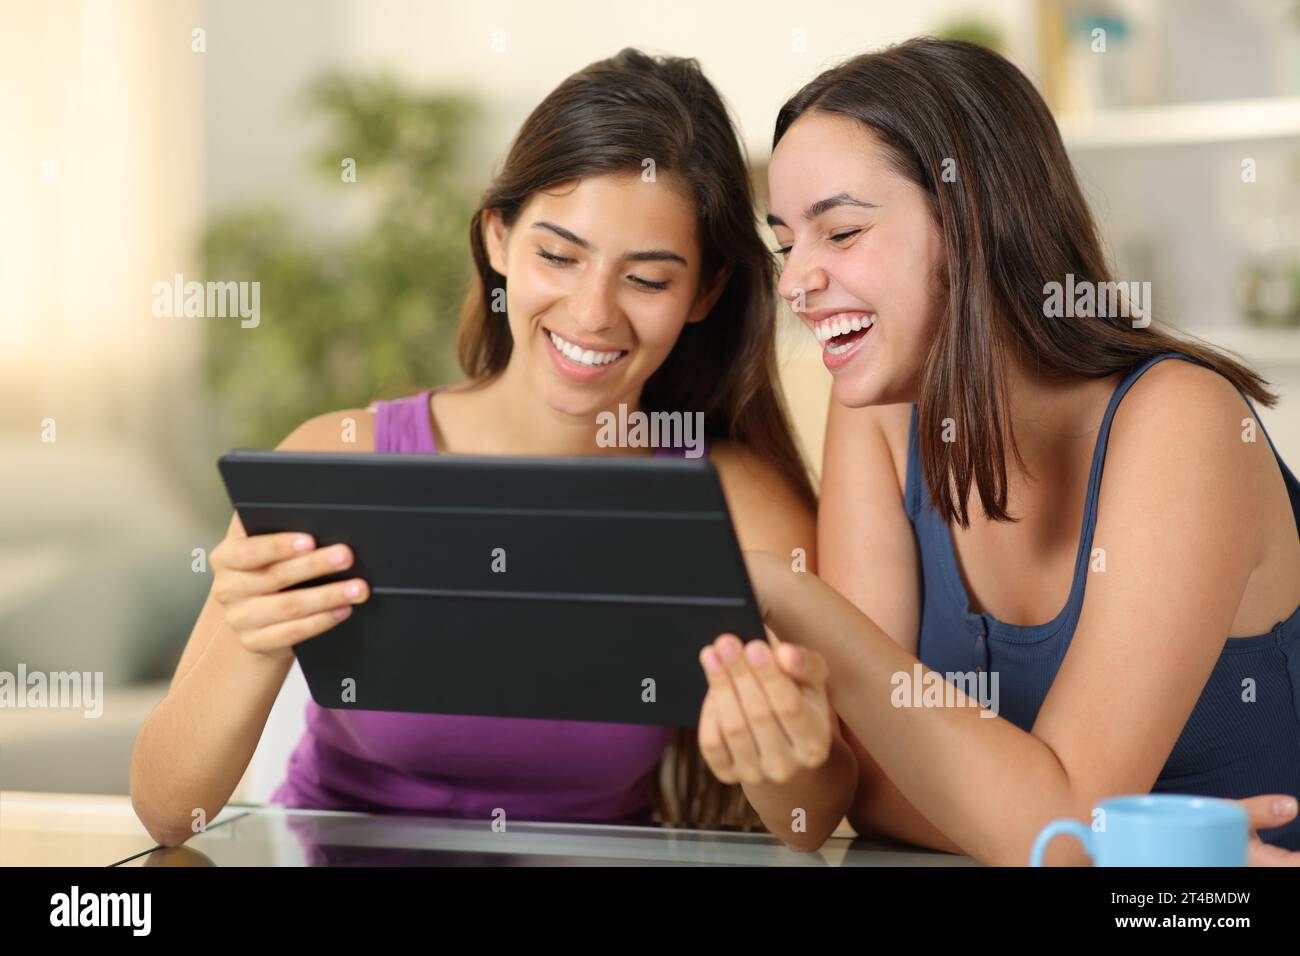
[1061, 551]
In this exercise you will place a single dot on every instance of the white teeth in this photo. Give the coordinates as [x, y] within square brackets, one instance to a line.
[837, 325]
[583, 356]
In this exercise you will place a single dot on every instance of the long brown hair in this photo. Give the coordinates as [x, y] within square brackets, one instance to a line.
[611, 117]
[1013, 219]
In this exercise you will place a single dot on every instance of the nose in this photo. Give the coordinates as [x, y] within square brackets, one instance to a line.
[592, 303]
[801, 276]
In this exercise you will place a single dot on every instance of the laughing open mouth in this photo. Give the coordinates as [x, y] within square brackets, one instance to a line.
[842, 331]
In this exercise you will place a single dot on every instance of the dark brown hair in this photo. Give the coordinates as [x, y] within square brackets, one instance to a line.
[609, 118]
[1012, 221]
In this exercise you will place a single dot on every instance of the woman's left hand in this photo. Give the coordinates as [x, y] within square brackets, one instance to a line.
[766, 715]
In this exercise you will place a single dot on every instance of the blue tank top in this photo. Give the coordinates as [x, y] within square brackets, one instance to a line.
[1228, 748]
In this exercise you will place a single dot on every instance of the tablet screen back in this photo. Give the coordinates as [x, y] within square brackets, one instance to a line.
[574, 588]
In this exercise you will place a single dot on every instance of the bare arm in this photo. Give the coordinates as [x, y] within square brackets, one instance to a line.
[802, 805]
[1148, 637]
[867, 552]
[196, 744]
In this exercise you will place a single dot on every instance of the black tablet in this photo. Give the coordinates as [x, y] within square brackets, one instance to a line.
[561, 588]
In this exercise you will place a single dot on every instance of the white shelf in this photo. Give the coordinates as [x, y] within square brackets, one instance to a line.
[1181, 124]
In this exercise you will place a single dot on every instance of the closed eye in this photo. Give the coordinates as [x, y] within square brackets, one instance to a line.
[836, 237]
[648, 284]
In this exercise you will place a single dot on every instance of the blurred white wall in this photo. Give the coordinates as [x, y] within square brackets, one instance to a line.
[757, 53]
[510, 54]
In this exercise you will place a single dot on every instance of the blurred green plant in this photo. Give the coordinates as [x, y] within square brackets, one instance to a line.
[345, 320]
[973, 29]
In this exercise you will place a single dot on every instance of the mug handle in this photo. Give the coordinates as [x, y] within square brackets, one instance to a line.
[1056, 828]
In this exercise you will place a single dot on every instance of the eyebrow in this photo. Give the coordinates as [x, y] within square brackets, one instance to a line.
[642, 255]
[825, 205]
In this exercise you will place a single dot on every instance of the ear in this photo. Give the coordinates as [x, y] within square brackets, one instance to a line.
[709, 295]
[495, 235]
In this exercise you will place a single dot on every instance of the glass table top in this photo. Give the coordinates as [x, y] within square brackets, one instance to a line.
[275, 836]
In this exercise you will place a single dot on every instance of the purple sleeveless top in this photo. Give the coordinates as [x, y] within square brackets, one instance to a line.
[433, 764]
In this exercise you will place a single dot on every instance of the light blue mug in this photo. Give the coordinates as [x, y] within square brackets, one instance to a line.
[1161, 829]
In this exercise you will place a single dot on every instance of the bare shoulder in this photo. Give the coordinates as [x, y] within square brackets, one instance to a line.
[860, 431]
[1178, 409]
[895, 423]
[1173, 381]
[737, 463]
[769, 513]
[346, 430]
[1185, 429]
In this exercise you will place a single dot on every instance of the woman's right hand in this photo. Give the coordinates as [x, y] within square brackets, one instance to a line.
[250, 573]
[1264, 813]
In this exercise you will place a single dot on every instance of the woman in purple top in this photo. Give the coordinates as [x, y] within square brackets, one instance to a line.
[617, 262]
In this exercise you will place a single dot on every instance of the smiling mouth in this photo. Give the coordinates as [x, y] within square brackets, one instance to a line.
[840, 332]
[588, 357]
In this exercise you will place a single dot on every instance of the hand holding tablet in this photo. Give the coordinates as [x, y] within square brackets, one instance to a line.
[251, 574]
[579, 589]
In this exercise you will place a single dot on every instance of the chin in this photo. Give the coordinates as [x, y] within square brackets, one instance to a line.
[853, 392]
[874, 383]
[584, 406]
[567, 399]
